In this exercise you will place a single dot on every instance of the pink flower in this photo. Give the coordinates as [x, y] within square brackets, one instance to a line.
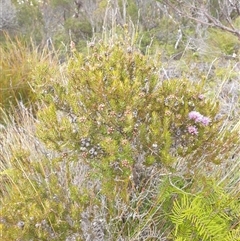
[199, 118]
[192, 130]
[201, 97]
[205, 120]
[196, 116]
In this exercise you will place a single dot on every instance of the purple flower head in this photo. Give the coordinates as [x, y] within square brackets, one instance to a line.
[205, 120]
[196, 116]
[192, 130]
[201, 97]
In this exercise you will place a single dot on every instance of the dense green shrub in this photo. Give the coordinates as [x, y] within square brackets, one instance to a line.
[116, 114]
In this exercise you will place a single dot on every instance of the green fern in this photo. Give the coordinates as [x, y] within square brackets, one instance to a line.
[197, 218]
[180, 239]
[234, 235]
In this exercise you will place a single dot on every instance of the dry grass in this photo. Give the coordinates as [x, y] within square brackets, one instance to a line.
[22, 65]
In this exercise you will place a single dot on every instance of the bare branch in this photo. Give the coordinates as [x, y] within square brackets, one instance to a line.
[218, 24]
[226, 8]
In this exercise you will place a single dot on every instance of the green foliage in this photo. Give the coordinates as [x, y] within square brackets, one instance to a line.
[30, 19]
[38, 203]
[178, 213]
[120, 136]
[122, 152]
[115, 113]
[205, 216]
[57, 3]
[223, 41]
[132, 11]
[81, 29]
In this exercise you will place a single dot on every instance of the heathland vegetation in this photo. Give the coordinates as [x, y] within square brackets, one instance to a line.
[120, 120]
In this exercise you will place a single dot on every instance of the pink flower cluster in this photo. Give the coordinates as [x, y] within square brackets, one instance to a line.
[199, 118]
[192, 130]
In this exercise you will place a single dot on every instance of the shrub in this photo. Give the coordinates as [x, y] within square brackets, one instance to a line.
[116, 115]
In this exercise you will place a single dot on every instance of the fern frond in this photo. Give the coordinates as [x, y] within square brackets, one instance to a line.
[180, 239]
[195, 217]
[234, 235]
[179, 211]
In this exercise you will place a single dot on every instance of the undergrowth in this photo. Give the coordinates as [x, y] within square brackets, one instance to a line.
[117, 153]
